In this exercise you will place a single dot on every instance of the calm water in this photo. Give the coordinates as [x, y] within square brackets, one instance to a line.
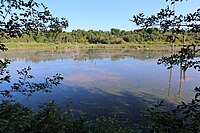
[103, 82]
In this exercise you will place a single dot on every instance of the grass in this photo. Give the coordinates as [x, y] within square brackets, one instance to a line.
[35, 45]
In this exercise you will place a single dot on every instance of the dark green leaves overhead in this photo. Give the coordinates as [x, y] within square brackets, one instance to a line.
[186, 58]
[24, 84]
[167, 19]
[173, 1]
[18, 17]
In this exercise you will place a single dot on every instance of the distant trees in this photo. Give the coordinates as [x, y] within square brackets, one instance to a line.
[114, 36]
[34, 23]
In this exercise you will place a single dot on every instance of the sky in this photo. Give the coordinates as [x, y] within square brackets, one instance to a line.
[107, 14]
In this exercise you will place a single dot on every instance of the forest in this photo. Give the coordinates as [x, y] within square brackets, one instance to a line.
[148, 36]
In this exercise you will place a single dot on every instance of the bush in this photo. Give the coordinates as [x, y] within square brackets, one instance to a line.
[184, 118]
[17, 118]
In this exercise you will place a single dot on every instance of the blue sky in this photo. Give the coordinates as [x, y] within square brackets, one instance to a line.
[107, 14]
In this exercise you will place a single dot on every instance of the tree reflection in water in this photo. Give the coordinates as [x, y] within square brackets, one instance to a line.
[186, 58]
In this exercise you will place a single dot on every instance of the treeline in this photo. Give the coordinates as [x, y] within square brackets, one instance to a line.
[114, 36]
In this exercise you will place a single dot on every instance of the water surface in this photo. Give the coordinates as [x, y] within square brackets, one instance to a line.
[105, 82]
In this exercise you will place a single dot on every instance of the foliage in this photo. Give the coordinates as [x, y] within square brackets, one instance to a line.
[16, 117]
[52, 119]
[17, 18]
[115, 36]
[24, 85]
[167, 19]
[184, 118]
[187, 57]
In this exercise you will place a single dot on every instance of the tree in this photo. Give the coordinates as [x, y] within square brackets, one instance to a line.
[18, 17]
[167, 20]
[186, 116]
[115, 32]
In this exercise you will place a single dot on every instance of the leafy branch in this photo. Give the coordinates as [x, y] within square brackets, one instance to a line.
[187, 57]
[167, 19]
[25, 87]
[184, 118]
[22, 17]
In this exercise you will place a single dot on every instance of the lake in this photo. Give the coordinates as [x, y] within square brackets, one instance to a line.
[104, 82]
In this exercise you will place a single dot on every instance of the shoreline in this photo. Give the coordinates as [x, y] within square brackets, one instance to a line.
[75, 47]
